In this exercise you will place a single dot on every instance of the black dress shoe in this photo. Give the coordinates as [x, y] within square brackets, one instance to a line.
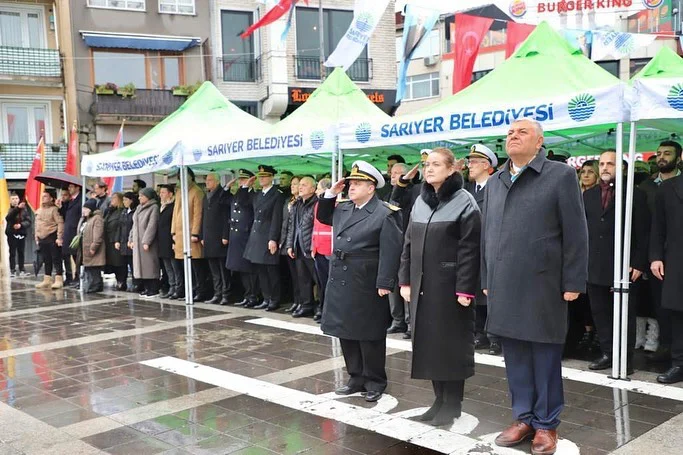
[318, 316]
[262, 306]
[252, 304]
[672, 375]
[293, 308]
[242, 303]
[397, 329]
[303, 313]
[215, 300]
[224, 301]
[273, 306]
[200, 298]
[481, 342]
[602, 363]
[408, 335]
[495, 348]
[178, 296]
[348, 390]
[372, 396]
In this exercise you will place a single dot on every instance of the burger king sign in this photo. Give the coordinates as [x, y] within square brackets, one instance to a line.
[517, 8]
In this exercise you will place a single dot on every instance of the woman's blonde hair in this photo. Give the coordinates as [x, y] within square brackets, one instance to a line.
[446, 154]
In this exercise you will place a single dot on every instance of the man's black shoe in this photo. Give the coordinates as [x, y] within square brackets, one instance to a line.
[200, 298]
[318, 316]
[495, 348]
[672, 375]
[262, 306]
[224, 301]
[242, 303]
[397, 329]
[273, 306]
[252, 304]
[602, 363]
[348, 390]
[373, 396]
[293, 308]
[303, 313]
[481, 342]
[216, 300]
[408, 335]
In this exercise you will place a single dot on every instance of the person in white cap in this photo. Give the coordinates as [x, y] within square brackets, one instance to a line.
[482, 163]
[367, 246]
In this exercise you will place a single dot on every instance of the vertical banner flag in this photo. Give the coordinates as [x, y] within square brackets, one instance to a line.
[469, 33]
[283, 7]
[72, 155]
[366, 16]
[116, 184]
[417, 25]
[580, 39]
[516, 34]
[34, 188]
[617, 44]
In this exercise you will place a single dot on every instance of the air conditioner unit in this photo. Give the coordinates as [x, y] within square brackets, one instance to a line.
[431, 60]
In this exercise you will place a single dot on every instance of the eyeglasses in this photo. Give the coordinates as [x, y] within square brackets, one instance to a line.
[475, 161]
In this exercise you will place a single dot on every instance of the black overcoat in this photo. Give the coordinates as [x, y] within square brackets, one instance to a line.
[112, 221]
[479, 197]
[666, 241]
[441, 259]
[17, 215]
[215, 223]
[125, 227]
[366, 256]
[72, 215]
[534, 248]
[601, 235]
[241, 221]
[164, 237]
[266, 227]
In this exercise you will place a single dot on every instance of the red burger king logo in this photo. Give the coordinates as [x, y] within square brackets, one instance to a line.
[517, 8]
[652, 4]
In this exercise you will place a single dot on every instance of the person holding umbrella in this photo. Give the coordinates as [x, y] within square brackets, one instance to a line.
[49, 235]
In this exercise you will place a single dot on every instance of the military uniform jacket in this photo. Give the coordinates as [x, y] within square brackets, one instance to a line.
[241, 220]
[471, 187]
[366, 254]
[266, 227]
[215, 223]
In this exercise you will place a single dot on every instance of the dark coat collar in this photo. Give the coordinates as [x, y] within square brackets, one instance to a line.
[536, 164]
[445, 193]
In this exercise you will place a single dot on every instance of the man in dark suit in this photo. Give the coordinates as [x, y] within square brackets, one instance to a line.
[600, 214]
[363, 272]
[666, 254]
[481, 162]
[72, 215]
[534, 261]
[165, 241]
[215, 227]
[396, 302]
[241, 221]
[262, 247]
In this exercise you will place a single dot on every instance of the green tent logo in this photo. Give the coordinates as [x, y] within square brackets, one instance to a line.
[581, 107]
[317, 139]
[363, 132]
[364, 22]
[675, 97]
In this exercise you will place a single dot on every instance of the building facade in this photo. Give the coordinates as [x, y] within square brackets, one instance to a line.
[270, 77]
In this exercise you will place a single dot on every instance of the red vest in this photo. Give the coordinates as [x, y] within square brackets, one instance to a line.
[322, 236]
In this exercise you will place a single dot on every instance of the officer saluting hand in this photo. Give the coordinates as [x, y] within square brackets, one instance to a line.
[363, 271]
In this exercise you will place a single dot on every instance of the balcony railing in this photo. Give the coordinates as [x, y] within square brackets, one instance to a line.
[19, 157]
[308, 68]
[21, 61]
[152, 104]
[240, 68]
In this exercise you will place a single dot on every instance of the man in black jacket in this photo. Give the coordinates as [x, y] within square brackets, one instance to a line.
[18, 223]
[72, 215]
[215, 235]
[241, 221]
[165, 241]
[600, 214]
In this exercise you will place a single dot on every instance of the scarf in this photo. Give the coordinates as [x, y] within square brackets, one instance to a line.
[607, 193]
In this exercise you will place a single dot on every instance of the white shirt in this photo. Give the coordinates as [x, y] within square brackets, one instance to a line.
[264, 191]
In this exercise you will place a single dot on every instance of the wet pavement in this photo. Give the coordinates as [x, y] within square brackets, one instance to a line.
[113, 373]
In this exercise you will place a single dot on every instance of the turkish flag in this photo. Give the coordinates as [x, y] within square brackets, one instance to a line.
[34, 188]
[516, 34]
[469, 33]
[72, 155]
[275, 13]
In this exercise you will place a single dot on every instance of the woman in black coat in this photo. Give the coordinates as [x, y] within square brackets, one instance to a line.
[116, 264]
[130, 203]
[291, 265]
[438, 276]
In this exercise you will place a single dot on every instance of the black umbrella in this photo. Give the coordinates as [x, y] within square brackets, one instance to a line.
[58, 179]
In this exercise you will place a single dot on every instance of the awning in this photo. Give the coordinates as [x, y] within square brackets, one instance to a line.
[140, 42]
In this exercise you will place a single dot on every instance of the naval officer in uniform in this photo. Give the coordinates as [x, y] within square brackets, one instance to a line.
[363, 272]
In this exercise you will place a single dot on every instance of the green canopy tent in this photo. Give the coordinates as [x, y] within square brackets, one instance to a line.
[304, 142]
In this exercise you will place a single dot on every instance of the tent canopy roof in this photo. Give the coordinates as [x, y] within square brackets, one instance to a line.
[666, 64]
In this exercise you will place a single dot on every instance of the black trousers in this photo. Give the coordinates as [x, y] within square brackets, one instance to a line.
[93, 279]
[269, 279]
[602, 309]
[480, 314]
[365, 362]
[16, 252]
[52, 254]
[220, 277]
[398, 308]
[179, 271]
[322, 272]
[201, 274]
[293, 279]
[137, 283]
[663, 315]
[169, 270]
[151, 286]
[121, 273]
[305, 270]
[676, 318]
[250, 285]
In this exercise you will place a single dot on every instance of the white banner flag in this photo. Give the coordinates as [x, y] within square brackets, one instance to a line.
[366, 16]
[617, 44]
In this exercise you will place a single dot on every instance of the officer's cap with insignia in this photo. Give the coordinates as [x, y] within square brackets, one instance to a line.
[266, 171]
[245, 174]
[362, 170]
[482, 151]
[424, 153]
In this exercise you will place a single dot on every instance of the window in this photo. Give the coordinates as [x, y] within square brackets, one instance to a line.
[637, 64]
[479, 74]
[335, 24]
[611, 66]
[422, 86]
[176, 6]
[239, 63]
[24, 123]
[429, 46]
[135, 5]
[163, 71]
[21, 27]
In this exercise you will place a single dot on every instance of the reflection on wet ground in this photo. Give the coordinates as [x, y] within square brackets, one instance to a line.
[73, 363]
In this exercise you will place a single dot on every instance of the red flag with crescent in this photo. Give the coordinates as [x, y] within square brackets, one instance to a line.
[469, 33]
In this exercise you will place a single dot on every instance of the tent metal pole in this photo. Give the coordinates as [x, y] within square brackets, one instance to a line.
[187, 247]
[618, 203]
[340, 159]
[81, 268]
[625, 277]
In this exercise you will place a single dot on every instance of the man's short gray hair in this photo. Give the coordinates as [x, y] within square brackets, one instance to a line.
[402, 166]
[326, 183]
[537, 126]
[215, 176]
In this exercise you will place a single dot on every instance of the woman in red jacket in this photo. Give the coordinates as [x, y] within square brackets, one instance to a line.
[321, 248]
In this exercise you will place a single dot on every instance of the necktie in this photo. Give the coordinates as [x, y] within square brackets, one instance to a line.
[477, 189]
